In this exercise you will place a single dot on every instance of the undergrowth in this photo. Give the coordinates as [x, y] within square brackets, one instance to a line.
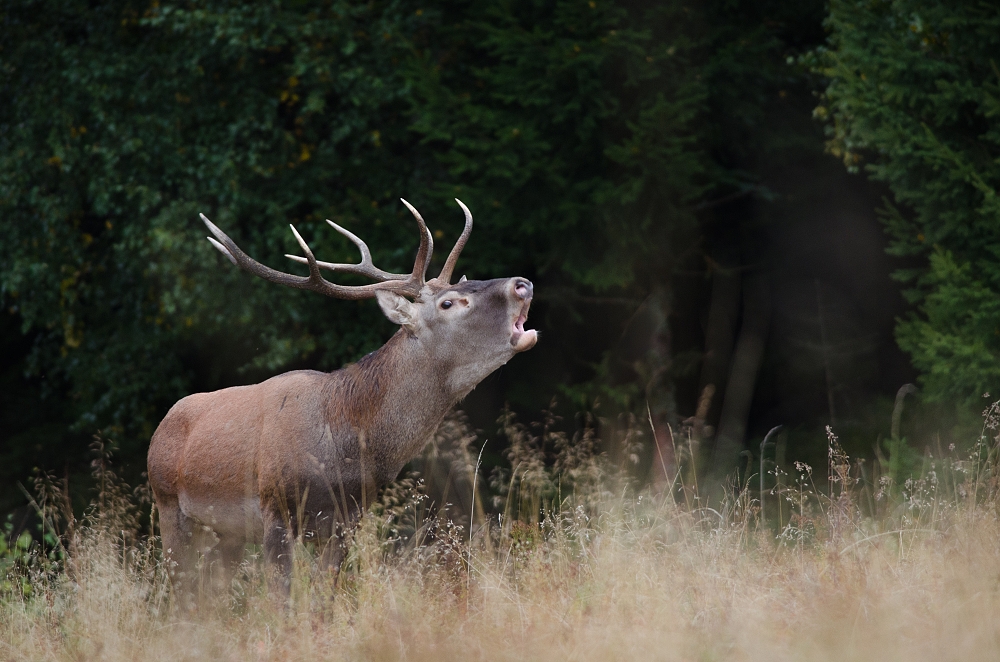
[567, 557]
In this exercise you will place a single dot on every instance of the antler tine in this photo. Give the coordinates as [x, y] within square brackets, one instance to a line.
[314, 281]
[449, 264]
[364, 268]
[222, 249]
[426, 250]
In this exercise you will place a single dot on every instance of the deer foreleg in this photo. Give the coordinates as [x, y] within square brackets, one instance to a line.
[279, 542]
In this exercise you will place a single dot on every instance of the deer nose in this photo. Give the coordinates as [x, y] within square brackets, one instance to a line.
[523, 288]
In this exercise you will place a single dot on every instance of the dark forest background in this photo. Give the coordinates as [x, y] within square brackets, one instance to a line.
[783, 210]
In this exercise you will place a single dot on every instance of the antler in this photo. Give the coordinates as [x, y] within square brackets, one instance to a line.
[365, 267]
[449, 265]
[409, 285]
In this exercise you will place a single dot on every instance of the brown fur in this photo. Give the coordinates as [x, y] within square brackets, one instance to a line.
[304, 452]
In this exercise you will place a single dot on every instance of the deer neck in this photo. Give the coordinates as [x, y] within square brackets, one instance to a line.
[397, 396]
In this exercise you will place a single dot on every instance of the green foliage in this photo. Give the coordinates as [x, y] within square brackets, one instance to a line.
[571, 123]
[565, 126]
[123, 128]
[956, 345]
[15, 555]
[914, 99]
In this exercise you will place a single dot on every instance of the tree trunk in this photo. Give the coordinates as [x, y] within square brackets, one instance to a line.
[720, 334]
[660, 400]
[747, 359]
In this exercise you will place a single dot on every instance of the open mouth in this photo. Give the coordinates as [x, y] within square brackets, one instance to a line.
[519, 324]
[520, 338]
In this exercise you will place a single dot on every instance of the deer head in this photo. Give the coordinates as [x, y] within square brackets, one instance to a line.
[468, 329]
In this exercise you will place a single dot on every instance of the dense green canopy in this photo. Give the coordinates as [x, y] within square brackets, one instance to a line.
[914, 101]
[656, 168]
[566, 127]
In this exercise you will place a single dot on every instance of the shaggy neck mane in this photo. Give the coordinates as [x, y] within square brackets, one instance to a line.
[369, 392]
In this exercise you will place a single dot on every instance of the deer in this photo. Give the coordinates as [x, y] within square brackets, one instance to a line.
[301, 455]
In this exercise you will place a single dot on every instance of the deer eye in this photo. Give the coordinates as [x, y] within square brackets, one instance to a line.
[446, 304]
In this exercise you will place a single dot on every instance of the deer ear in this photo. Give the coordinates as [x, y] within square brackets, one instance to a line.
[397, 308]
[462, 279]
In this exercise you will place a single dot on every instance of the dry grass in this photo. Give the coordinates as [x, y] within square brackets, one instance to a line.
[601, 577]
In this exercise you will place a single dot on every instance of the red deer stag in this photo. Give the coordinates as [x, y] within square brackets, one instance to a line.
[301, 453]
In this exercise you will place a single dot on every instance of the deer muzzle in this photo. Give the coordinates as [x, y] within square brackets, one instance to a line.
[522, 339]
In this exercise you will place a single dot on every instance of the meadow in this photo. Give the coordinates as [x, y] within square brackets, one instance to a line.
[569, 561]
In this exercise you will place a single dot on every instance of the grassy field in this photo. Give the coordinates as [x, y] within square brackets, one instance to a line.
[856, 569]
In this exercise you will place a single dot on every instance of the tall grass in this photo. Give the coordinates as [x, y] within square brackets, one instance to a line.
[568, 562]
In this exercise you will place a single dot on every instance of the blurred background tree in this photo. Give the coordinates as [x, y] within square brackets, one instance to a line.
[564, 129]
[914, 101]
[655, 168]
